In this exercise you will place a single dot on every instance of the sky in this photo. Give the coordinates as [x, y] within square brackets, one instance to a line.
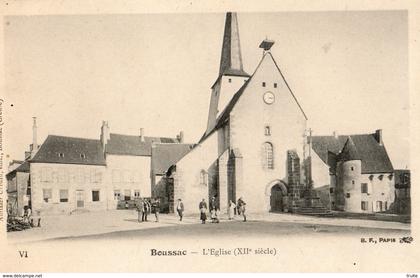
[348, 70]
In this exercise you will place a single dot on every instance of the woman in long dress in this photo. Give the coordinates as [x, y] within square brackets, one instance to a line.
[203, 211]
[232, 207]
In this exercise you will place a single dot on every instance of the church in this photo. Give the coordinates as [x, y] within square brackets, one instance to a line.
[254, 140]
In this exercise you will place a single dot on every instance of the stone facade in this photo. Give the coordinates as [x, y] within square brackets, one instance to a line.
[362, 193]
[196, 174]
[64, 188]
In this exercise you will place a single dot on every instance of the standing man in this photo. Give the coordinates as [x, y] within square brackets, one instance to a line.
[213, 208]
[241, 207]
[140, 209]
[146, 210]
[156, 208]
[180, 209]
[203, 210]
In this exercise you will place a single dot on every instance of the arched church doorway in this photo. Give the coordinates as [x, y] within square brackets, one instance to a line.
[276, 198]
[276, 193]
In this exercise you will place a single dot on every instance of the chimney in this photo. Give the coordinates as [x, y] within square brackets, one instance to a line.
[378, 136]
[335, 133]
[142, 134]
[34, 146]
[181, 137]
[105, 136]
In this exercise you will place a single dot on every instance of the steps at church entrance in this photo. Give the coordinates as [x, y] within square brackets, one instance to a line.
[315, 211]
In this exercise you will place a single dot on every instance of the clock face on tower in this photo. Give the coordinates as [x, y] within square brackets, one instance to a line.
[268, 98]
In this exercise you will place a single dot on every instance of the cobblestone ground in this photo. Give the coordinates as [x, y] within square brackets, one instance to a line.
[124, 224]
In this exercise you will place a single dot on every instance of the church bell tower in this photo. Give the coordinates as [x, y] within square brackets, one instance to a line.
[231, 73]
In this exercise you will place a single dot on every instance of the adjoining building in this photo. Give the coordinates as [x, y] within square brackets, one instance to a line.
[163, 157]
[68, 174]
[357, 170]
[18, 187]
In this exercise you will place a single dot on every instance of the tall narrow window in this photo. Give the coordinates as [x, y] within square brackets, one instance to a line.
[268, 155]
[364, 188]
[267, 130]
[203, 177]
[95, 195]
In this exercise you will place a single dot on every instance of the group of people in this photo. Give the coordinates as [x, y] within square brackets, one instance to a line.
[215, 210]
[145, 206]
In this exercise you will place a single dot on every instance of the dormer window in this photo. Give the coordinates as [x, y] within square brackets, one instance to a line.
[61, 155]
[82, 155]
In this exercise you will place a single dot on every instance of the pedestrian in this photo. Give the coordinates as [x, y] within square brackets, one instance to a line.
[241, 206]
[232, 208]
[156, 209]
[146, 210]
[216, 215]
[180, 209]
[140, 209]
[27, 213]
[203, 210]
[213, 208]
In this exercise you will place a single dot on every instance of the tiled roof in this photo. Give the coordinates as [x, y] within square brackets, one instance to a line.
[24, 167]
[70, 150]
[374, 157]
[165, 155]
[133, 145]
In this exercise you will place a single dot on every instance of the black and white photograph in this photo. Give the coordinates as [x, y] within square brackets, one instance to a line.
[184, 140]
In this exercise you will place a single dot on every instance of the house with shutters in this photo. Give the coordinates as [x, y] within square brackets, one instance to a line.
[68, 174]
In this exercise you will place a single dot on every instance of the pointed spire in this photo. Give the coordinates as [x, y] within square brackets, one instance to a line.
[231, 59]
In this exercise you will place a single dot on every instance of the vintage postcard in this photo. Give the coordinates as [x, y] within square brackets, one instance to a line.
[204, 138]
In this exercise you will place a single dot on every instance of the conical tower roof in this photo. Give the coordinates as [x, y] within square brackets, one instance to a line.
[231, 58]
[349, 151]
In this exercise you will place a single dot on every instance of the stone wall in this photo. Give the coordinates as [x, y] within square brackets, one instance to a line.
[189, 183]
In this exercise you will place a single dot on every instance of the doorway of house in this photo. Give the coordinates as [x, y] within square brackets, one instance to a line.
[80, 199]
